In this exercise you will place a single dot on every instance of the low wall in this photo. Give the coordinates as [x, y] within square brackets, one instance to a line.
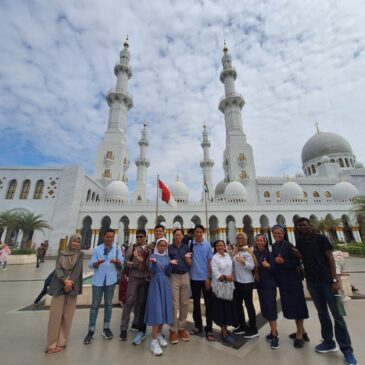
[21, 259]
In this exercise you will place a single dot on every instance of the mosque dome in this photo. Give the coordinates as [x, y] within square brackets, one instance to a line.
[220, 188]
[324, 144]
[291, 191]
[116, 190]
[179, 190]
[358, 165]
[344, 191]
[235, 191]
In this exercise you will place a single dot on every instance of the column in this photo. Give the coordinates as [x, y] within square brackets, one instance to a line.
[340, 235]
[356, 233]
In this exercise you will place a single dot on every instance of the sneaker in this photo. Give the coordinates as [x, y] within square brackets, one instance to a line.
[293, 336]
[5, 268]
[269, 337]
[155, 348]
[89, 338]
[140, 336]
[240, 330]
[326, 346]
[173, 337]
[161, 340]
[107, 334]
[298, 343]
[123, 335]
[350, 358]
[134, 328]
[251, 334]
[275, 342]
[228, 340]
[184, 335]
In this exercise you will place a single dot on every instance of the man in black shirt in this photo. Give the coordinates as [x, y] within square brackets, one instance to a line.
[322, 281]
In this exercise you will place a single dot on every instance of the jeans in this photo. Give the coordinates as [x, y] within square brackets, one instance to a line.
[323, 298]
[197, 287]
[97, 294]
[243, 292]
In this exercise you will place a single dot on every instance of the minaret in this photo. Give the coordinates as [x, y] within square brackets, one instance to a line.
[142, 163]
[112, 156]
[238, 162]
[207, 163]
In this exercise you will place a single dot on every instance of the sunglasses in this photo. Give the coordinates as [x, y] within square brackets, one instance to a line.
[140, 236]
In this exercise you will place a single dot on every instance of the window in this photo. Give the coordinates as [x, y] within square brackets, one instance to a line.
[93, 197]
[340, 162]
[315, 194]
[327, 194]
[107, 173]
[25, 190]
[347, 162]
[88, 195]
[39, 189]
[109, 155]
[266, 194]
[305, 194]
[278, 194]
[242, 157]
[313, 169]
[11, 189]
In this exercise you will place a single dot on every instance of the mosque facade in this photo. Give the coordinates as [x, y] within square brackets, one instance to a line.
[72, 201]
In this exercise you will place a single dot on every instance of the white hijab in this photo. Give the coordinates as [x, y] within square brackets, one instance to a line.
[157, 243]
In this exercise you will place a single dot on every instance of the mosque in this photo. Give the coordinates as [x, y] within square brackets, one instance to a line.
[72, 201]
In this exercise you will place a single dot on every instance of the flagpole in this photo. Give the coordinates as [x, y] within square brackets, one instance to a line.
[158, 178]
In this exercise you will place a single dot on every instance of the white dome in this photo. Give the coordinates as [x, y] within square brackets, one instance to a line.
[291, 191]
[344, 191]
[220, 188]
[324, 144]
[179, 190]
[358, 165]
[116, 190]
[235, 190]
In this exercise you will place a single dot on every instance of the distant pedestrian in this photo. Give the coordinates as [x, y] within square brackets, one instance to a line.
[44, 251]
[39, 254]
[66, 285]
[4, 253]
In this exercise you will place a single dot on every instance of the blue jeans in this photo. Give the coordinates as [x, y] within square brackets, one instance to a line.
[323, 298]
[98, 292]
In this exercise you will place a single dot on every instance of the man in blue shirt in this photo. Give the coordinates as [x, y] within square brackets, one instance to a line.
[200, 275]
[105, 261]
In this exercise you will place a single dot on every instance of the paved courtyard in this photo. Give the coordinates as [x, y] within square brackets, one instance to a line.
[23, 333]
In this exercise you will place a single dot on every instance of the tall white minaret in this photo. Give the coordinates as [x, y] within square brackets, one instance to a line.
[142, 163]
[207, 163]
[238, 162]
[112, 155]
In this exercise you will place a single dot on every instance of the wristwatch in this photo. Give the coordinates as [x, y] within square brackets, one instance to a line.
[334, 280]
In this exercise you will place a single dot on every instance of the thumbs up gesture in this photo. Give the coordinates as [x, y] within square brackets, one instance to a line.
[265, 264]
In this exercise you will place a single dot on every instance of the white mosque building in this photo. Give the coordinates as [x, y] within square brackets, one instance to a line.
[72, 201]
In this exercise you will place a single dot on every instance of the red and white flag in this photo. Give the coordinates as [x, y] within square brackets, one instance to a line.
[165, 194]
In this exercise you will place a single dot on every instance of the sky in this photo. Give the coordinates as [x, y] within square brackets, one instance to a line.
[298, 62]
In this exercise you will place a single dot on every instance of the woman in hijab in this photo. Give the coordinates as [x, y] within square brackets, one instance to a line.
[64, 288]
[289, 282]
[159, 308]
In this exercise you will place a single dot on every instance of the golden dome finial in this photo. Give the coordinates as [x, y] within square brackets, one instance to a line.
[126, 44]
[225, 48]
[317, 126]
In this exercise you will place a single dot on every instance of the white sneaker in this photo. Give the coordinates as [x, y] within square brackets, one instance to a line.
[161, 340]
[5, 268]
[155, 348]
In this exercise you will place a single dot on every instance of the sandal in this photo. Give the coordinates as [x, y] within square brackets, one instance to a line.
[195, 331]
[210, 336]
[53, 351]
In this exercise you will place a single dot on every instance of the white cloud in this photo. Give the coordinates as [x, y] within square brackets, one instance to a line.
[297, 62]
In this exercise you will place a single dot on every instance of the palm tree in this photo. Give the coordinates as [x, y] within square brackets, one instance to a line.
[358, 210]
[10, 221]
[29, 222]
[327, 224]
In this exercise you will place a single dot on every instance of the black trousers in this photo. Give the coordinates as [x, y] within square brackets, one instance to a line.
[197, 288]
[141, 324]
[243, 292]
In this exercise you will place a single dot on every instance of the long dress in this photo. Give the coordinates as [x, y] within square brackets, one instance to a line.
[289, 282]
[159, 308]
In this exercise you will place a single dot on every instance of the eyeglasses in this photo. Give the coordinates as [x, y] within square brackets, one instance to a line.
[140, 236]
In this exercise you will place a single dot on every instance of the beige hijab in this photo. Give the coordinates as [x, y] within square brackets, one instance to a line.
[69, 257]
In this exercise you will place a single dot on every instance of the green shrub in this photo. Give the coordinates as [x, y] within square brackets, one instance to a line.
[23, 251]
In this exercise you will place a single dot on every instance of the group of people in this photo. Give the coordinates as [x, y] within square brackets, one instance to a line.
[163, 277]
[41, 252]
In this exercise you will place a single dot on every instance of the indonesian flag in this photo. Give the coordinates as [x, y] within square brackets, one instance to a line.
[166, 195]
